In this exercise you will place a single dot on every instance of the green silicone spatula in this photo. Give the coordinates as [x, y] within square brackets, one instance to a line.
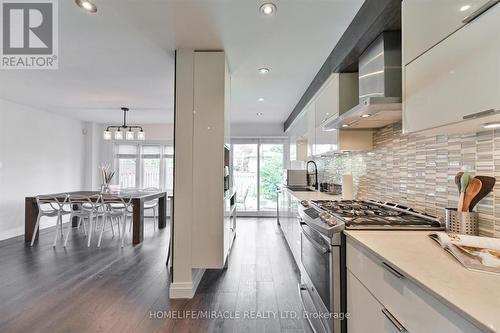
[464, 182]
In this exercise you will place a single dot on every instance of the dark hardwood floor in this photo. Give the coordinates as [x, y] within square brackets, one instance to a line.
[110, 289]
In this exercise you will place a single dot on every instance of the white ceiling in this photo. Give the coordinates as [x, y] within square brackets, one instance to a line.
[124, 56]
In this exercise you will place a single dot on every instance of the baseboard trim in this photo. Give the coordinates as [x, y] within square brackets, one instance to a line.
[186, 289]
[197, 276]
[181, 290]
[12, 233]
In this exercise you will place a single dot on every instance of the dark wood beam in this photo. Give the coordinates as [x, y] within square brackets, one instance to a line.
[373, 18]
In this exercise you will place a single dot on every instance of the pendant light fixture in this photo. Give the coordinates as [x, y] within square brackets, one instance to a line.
[124, 130]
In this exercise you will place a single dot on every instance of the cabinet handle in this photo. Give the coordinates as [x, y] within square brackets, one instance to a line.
[393, 320]
[392, 270]
[480, 114]
[479, 11]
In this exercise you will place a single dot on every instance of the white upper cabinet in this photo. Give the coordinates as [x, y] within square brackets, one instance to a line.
[326, 141]
[337, 95]
[297, 134]
[459, 76]
[427, 22]
[327, 103]
[310, 114]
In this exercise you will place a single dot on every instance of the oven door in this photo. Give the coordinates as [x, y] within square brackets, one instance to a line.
[321, 264]
[315, 256]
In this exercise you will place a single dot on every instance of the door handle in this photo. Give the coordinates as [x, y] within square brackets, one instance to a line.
[318, 246]
[481, 10]
[394, 321]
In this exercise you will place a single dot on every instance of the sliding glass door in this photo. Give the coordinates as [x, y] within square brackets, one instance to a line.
[270, 174]
[257, 170]
[245, 175]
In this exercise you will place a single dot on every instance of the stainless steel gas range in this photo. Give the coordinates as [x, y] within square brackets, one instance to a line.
[323, 268]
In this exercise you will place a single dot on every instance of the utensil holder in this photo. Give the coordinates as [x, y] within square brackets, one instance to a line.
[463, 223]
[105, 189]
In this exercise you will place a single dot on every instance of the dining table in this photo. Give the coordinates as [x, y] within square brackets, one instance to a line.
[138, 198]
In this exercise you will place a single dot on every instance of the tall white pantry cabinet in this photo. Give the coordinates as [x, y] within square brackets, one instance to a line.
[202, 221]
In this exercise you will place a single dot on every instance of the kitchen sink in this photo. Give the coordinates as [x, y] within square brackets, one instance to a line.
[300, 189]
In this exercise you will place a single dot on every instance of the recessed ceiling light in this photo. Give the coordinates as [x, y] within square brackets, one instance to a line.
[365, 115]
[261, 99]
[491, 125]
[268, 9]
[87, 5]
[464, 8]
[345, 125]
[263, 70]
[260, 114]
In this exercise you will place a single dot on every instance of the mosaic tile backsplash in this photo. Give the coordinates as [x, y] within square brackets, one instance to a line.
[418, 171]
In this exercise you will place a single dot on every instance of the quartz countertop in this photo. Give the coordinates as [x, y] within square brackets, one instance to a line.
[312, 195]
[473, 295]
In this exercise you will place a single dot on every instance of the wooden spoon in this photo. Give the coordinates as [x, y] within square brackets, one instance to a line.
[473, 188]
[487, 186]
[458, 176]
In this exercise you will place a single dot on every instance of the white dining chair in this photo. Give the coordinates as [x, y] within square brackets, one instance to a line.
[83, 208]
[117, 208]
[243, 199]
[51, 206]
[153, 204]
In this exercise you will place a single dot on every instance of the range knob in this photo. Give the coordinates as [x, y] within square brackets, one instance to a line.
[328, 218]
[304, 203]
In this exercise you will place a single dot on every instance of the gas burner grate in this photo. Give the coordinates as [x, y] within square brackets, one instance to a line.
[366, 213]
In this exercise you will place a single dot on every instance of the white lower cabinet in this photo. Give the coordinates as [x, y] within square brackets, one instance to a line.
[288, 220]
[406, 305]
[366, 313]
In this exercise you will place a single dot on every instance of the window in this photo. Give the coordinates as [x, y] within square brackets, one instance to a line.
[146, 165]
[151, 160]
[168, 162]
[126, 159]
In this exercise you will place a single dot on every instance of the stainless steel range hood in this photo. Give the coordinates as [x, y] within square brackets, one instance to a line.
[380, 86]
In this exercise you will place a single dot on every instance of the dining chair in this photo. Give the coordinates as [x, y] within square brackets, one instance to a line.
[50, 206]
[85, 207]
[153, 204]
[116, 208]
[243, 199]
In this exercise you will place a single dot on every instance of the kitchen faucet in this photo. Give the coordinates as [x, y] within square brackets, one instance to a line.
[315, 174]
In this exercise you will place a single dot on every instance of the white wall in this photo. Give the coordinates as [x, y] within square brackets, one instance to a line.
[40, 153]
[257, 130]
[161, 132]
